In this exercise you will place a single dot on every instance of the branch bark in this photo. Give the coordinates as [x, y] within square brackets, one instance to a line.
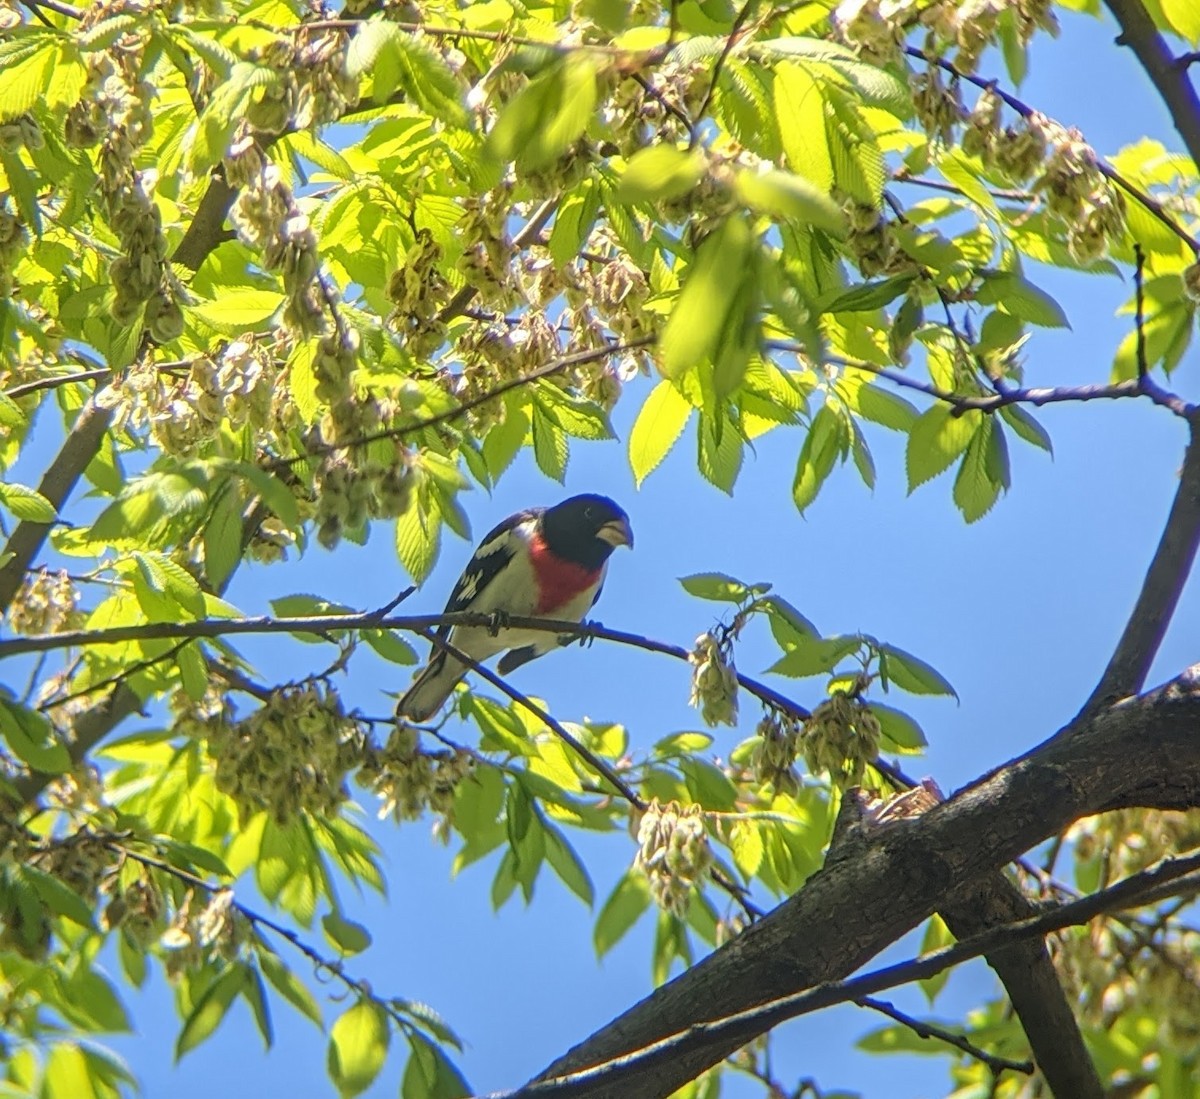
[1165, 579]
[1143, 752]
[1166, 73]
[78, 449]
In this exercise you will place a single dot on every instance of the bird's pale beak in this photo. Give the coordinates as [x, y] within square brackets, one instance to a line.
[616, 532]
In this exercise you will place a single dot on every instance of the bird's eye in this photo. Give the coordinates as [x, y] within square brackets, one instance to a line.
[589, 513]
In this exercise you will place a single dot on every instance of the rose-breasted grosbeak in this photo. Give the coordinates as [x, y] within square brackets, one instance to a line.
[544, 561]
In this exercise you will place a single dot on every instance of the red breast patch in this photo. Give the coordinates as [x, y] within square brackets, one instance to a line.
[559, 580]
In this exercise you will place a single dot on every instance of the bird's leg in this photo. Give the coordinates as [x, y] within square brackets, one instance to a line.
[585, 639]
[499, 621]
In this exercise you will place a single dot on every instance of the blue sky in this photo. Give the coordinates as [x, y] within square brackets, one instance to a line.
[1020, 611]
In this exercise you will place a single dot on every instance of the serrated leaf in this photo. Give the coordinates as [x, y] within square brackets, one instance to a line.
[979, 482]
[1026, 427]
[900, 732]
[914, 675]
[1017, 295]
[550, 449]
[358, 1045]
[818, 453]
[800, 110]
[418, 535]
[239, 311]
[704, 311]
[883, 407]
[390, 645]
[546, 117]
[936, 440]
[26, 504]
[659, 423]
[720, 452]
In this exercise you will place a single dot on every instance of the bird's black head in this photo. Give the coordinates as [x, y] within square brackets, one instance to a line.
[586, 529]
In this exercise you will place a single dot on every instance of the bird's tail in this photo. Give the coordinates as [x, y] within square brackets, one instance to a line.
[430, 689]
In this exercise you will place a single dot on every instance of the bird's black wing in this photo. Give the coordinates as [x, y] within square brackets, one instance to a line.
[487, 562]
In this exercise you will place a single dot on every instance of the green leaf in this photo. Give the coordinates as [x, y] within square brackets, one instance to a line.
[358, 1045]
[1016, 295]
[289, 986]
[1184, 17]
[1027, 427]
[550, 449]
[391, 646]
[660, 172]
[223, 538]
[720, 452]
[900, 732]
[239, 311]
[704, 310]
[621, 911]
[58, 897]
[784, 195]
[546, 117]
[912, 674]
[210, 1008]
[659, 423]
[936, 439]
[31, 739]
[26, 504]
[429, 1074]
[255, 993]
[568, 865]
[982, 474]
[866, 296]
[800, 110]
[718, 586]
[90, 1001]
[349, 937]
[418, 534]
[883, 407]
[826, 439]
[807, 656]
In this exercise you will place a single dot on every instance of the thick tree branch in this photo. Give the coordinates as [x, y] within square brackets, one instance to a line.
[1165, 579]
[1032, 984]
[1143, 752]
[623, 1075]
[1169, 78]
[78, 449]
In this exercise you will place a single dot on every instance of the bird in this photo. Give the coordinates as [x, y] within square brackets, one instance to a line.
[548, 562]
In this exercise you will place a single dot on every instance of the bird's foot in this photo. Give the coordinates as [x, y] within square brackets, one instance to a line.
[585, 639]
[499, 621]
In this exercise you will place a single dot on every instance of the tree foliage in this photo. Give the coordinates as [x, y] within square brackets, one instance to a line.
[272, 274]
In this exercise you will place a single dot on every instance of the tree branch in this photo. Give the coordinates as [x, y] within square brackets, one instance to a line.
[1168, 76]
[576, 358]
[1149, 203]
[1165, 579]
[78, 449]
[1143, 752]
[923, 1029]
[1141, 386]
[610, 1078]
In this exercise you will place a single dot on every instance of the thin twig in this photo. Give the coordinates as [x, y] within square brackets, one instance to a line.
[576, 358]
[56, 6]
[929, 1030]
[1150, 204]
[730, 42]
[25, 388]
[1143, 367]
[573, 742]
